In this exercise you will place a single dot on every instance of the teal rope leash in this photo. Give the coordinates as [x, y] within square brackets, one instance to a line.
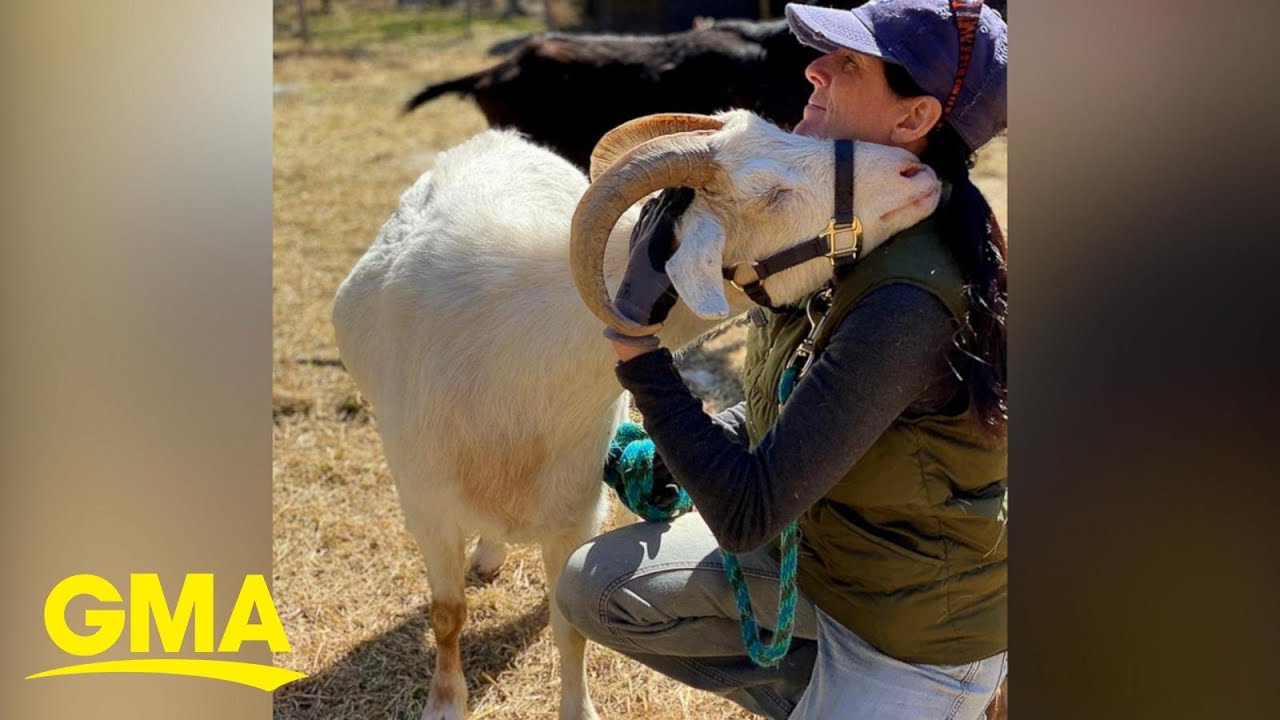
[629, 471]
[770, 654]
[761, 654]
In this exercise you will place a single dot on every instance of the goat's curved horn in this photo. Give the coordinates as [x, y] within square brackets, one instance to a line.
[681, 160]
[633, 133]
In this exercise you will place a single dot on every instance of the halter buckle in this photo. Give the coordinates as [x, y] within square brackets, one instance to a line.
[738, 280]
[834, 250]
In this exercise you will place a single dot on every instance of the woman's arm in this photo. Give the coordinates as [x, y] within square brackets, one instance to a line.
[733, 420]
[888, 349]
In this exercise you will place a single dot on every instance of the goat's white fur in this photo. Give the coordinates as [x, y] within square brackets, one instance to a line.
[493, 388]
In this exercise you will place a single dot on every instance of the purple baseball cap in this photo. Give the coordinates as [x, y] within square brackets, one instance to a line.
[921, 36]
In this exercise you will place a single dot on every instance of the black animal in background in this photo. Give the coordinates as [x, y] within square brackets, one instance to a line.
[565, 91]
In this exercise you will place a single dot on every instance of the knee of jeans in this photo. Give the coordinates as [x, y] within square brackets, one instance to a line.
[578, 591]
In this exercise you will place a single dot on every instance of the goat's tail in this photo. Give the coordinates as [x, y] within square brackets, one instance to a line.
[465, 85]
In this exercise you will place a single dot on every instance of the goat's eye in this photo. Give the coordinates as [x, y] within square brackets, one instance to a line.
[775, 196]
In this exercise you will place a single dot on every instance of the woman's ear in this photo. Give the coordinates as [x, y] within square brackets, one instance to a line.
[919, 115]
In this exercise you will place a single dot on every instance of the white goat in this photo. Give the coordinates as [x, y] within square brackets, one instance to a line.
[493, 388]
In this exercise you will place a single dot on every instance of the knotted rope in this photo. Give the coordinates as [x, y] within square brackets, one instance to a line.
[629, 471]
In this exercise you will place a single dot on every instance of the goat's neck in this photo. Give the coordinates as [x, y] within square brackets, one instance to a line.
[793, 285]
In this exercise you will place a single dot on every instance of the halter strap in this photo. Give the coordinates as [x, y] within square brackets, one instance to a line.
[749, 277]
[966, 14]
[844, 221]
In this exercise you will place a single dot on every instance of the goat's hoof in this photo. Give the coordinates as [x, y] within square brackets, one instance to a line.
[443, 712]
[586, 711]
[486, 560]
[446, 701]
[477, 577]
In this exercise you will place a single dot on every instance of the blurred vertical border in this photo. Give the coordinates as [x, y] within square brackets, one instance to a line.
[135, 291]
[1143, 360]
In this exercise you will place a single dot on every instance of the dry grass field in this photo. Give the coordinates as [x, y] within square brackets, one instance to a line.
[349, 582]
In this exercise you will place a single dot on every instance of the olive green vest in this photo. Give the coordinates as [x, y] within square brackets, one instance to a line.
[909, 549]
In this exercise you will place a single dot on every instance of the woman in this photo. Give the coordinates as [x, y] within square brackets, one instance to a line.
[890, 451]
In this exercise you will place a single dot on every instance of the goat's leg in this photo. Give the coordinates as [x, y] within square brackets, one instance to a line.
[444, 553]
[575, 700]
[487, 558]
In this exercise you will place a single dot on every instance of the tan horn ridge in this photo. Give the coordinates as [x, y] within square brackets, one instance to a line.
[683, 159]
[618, 141]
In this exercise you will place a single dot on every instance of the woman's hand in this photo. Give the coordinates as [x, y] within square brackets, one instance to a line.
[646, 294]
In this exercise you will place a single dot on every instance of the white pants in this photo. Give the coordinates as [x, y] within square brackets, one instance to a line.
[851, 679]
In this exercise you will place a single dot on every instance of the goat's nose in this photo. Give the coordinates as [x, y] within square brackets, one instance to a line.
[910, 171]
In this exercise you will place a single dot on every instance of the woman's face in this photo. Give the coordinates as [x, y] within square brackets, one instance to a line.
[851, 100]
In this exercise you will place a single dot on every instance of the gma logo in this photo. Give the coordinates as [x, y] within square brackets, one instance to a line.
[147, 604]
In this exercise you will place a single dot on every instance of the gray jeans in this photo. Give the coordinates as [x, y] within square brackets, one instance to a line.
[657, 593]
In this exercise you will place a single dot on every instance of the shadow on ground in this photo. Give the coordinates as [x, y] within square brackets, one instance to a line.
[388, 676]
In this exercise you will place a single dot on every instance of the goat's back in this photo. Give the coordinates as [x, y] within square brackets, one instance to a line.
[465, 299]
[488, 376]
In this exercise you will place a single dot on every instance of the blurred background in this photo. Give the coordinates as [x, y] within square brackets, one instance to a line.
[349, 581]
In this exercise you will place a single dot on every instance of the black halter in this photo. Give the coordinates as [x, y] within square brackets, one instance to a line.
[749, 276]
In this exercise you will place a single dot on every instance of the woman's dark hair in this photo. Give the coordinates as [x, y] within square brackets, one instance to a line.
[971, 230]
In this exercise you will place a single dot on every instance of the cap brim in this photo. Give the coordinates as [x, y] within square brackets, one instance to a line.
[830, 29]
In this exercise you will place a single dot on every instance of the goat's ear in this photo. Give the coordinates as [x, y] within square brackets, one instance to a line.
[695, 267]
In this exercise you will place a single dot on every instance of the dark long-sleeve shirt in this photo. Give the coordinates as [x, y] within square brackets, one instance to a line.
[888, 356]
